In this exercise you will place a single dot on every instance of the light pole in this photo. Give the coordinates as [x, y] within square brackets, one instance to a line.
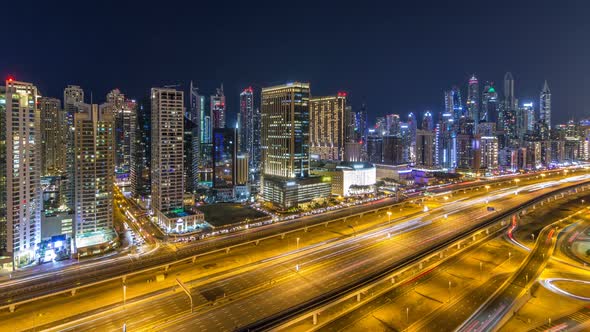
[407, 315]
[509, 256]
[124, 293]
[297, 243]
[449, 291]
[533, 236]
[388, 217]
[353, 230]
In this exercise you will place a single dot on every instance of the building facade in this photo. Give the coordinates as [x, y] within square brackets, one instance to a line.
[218, 109]
[167, 120]
[53, 130]
[20, 197]
[327, 126]
[94, 144]
[545, 105]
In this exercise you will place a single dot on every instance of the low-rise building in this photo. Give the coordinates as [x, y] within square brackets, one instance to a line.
[288, 193]
[349, 178]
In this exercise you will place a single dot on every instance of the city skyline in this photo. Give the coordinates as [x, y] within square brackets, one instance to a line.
[400, 55]
[295, 166]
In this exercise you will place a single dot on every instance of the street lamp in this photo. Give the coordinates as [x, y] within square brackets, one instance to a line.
[487, 188]
[388, 217]
[298, 243]
[449, 291]
[353, 230]
[124, 293]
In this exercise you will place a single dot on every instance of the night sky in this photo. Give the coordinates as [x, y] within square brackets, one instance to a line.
[396, 57]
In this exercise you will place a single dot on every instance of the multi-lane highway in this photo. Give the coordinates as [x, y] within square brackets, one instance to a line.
[428, 300]
[240, 299]
[34, 286]
[517, 285]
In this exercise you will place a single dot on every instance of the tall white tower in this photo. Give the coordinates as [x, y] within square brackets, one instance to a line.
[21, 230]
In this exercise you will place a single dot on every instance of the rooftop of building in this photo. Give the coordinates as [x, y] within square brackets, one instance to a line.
[179, 213]
[286, 86]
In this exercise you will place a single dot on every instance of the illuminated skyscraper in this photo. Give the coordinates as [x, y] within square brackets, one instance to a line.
[489, 152]
[453, 103]
[73, 98]
[509, 99]
[218, 109]
[427, 121]
[285, 130]
[489, 104]
[94, 142]
[20, 186]
[285, 147]
[545, 105]
[224, 158]
[327, 126]
[53, 131]
[124, 113]
[392, 124]
[425, 148]
[141, 161]
[249, 130]
[167, 154]
[473, 102]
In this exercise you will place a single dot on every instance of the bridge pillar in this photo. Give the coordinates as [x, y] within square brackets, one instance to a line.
[441, 254]
[420, 265]
[315, 318]
[459, 245]
[305, 229]
[73, 292]
[326, 225]
[473, 238]
[358, 297]
[257, 242]
[227, 250]
[124, 278]
[194, 259]
[12, 307]
[487, 231]
[392, 280]
[283, 236]
[166, 268]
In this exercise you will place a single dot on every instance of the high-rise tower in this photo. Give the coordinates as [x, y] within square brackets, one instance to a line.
[218, 109]
[94, 142]
[453, 103]
[53, 129]
[73, 98]
[489, 104]
[20, 186]
[124, 115]
[545, 105]
[473, 103]
[427, 121]
[167, 153]
[246, 121]
[327, 126]
[509, 99]
[285, 130]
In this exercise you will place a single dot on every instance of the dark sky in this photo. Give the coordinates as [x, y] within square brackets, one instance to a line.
[398, 56]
